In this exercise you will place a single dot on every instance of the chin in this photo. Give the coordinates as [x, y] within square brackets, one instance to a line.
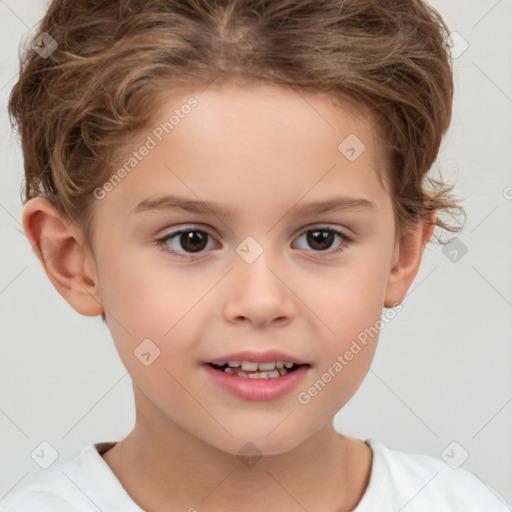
[258, 444]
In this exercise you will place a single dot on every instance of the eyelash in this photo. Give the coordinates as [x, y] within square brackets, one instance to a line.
[162, 242]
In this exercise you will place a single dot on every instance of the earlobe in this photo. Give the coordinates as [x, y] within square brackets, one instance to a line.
[63, 255]
[407, 259]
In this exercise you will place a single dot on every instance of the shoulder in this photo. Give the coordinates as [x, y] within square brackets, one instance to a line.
[36, 499]
[80, 484]
[420, 483]
[48, 491]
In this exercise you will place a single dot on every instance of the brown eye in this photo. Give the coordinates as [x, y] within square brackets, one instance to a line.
[193, 241]
[320, 240]
[184, 242]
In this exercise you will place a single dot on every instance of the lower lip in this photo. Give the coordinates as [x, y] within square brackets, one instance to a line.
[258, 389]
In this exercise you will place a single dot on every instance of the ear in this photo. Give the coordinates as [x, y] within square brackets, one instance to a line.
[67, 262]
[407, 259]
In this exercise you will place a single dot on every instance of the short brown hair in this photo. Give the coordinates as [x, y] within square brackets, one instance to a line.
[80, 106]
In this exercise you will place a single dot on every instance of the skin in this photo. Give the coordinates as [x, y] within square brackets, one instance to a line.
[261, 150]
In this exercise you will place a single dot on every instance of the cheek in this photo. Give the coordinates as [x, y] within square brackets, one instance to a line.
[349, 304]
[151, 316]
[352, 297]
[140, 292]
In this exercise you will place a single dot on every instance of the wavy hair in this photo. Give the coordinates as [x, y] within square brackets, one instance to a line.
[78, 109]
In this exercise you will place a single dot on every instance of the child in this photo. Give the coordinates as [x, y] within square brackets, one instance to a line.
[293, 140]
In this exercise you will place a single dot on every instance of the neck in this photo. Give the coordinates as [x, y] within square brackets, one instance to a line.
[167, 468]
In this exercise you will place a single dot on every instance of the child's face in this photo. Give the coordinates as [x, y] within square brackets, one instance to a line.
[263, 153]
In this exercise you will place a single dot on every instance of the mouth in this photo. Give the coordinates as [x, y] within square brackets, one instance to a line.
[257, 375]
[256, 370]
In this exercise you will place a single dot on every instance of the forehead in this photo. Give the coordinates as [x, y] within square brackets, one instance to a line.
[230, 141]
[269, 113]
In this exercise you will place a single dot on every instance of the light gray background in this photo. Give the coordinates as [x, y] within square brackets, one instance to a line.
[442, 371]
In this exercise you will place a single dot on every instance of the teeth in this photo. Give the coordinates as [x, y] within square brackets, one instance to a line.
[266, 366]
[262, 375]
[274, 374]
[253, 366]
[270, 370]
[249, 366]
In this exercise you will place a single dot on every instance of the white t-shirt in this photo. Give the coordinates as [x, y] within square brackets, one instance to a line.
[399, 481]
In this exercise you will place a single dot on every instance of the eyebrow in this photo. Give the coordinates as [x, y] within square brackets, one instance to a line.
[169, 203]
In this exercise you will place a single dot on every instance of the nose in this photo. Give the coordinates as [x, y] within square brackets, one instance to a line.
[259, 295]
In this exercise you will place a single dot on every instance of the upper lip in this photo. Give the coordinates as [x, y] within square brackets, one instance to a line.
[259, 357]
